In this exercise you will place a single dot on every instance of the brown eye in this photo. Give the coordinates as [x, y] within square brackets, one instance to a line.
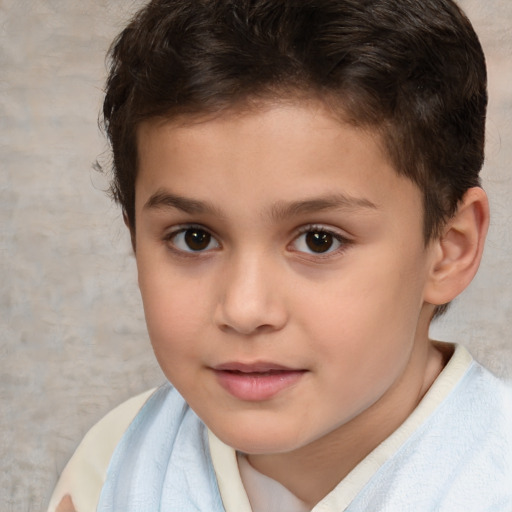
[193, 239]
[319, 241]
[197, 239]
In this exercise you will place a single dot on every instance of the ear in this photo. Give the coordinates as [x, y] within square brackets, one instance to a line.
[458, 251]
[130, 228]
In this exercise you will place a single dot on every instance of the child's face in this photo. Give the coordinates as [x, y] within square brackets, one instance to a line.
[283, 270]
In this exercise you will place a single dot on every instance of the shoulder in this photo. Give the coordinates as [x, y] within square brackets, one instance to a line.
[483, 391]
[476, 424]
[84, 474]
[468, 445]
[459, 456]
[472, 390]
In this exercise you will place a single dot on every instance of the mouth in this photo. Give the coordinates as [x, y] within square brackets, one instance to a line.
[257, 381]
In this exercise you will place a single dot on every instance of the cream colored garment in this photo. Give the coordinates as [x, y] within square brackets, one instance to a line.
[84, 475]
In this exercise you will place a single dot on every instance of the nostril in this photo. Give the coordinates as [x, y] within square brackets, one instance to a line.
[247, 321]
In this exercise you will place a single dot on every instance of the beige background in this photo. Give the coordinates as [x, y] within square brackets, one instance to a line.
[72, 336]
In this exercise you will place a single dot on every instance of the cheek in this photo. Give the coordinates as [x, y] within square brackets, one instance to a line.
[171, 307]
[366, 321]
[172, 330]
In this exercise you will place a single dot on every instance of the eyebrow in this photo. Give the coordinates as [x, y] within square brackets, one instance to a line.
[163, 200]
[324, 203]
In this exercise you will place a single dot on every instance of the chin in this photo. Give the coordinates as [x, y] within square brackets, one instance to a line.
[258, 441]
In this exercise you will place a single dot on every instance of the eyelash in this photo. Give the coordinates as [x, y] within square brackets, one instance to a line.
[169, 239]
[343, 241]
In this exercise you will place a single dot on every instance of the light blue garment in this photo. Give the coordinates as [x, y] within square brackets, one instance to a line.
[459, 459]
[163, 462]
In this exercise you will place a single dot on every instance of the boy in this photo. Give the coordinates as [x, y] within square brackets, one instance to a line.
[300, 181]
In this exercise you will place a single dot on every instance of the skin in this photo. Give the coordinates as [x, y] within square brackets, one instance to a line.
[354, 319]
[66, 505]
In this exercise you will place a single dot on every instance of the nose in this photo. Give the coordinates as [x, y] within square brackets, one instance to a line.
[251, 300]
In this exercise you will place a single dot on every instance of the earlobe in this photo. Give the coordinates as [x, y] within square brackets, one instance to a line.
[458, 251]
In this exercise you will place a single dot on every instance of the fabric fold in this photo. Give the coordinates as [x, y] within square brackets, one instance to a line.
[162, 461]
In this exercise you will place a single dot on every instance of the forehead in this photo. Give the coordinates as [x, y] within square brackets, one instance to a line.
[280, 152]
[282, 116]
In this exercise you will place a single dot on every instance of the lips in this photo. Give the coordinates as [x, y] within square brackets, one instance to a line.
[256, 381]
[259, 367]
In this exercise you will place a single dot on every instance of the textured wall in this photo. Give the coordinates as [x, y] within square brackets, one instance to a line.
[72, 337]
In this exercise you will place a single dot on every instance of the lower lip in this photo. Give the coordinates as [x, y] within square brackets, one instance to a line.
[256, 387]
